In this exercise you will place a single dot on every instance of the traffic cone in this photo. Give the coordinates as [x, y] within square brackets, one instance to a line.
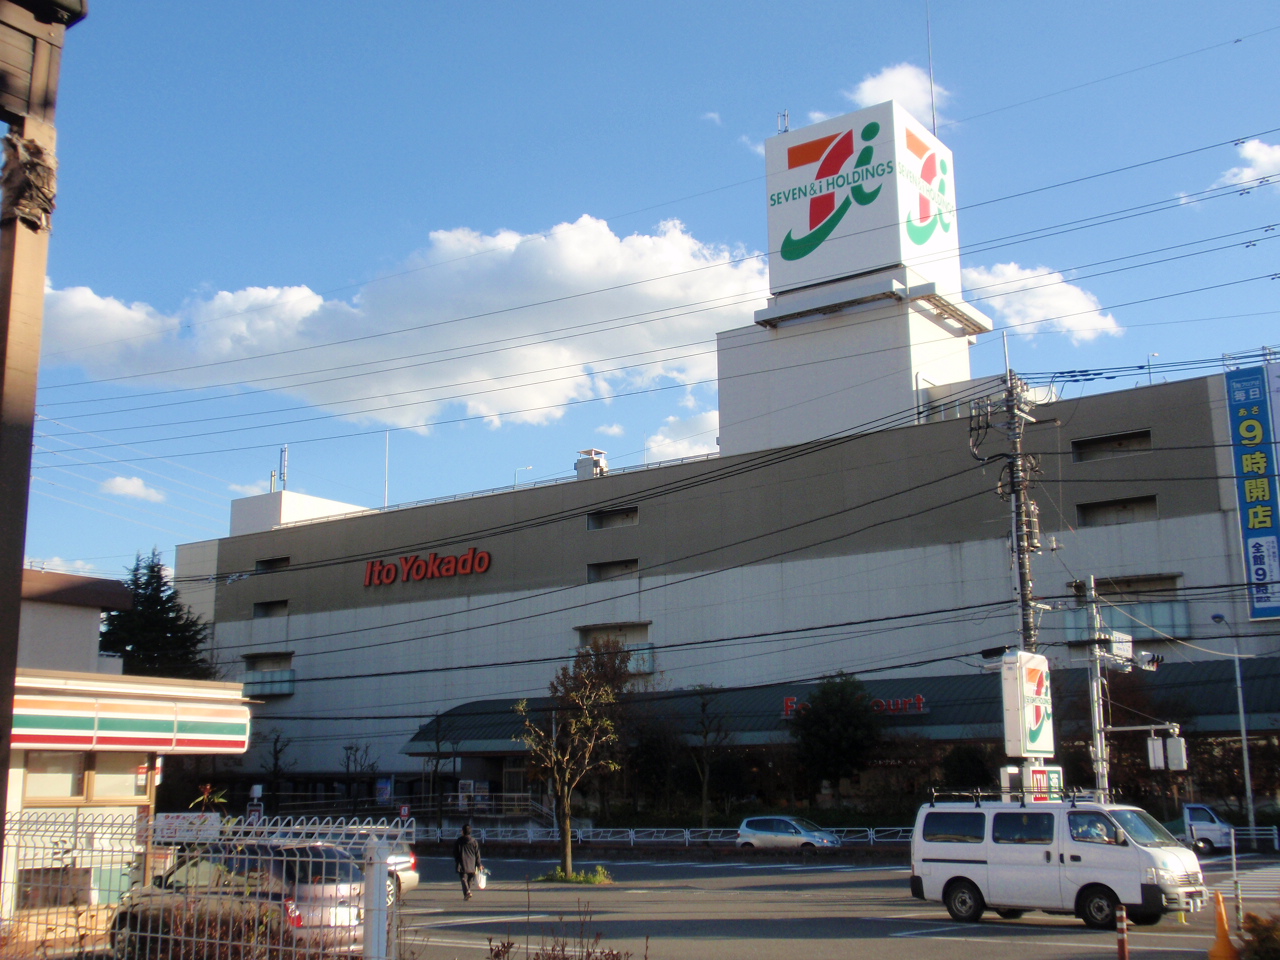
[1223, 948]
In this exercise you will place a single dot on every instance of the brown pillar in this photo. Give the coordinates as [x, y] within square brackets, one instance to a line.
[24, 255]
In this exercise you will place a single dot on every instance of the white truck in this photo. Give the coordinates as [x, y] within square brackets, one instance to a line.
[1202, 829]
[1078, 858]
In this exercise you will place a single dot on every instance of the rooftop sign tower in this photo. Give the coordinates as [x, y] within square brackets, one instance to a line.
[866, 318]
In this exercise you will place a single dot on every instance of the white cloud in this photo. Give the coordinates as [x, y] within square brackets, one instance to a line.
[1035, 299]
[1261, 160]
[471, 341]
[251, 489]
[906, 83]
[817, 116]
[684, 438]
[751, 145]
[133, 487]
[612, 429]
[713, 117]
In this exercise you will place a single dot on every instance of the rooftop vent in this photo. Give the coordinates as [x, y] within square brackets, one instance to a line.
[591, 463]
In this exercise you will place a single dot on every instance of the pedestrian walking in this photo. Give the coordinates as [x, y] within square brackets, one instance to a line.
[466, 857]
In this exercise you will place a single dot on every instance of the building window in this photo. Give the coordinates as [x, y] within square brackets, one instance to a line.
[268, 674]
[621, 517]
[119, 775]
[1145, 607]
[1115, 445]
[270, 608]
[613, 570]
[271, 565]
[633, 636]
[55, 775]
[1106, 513]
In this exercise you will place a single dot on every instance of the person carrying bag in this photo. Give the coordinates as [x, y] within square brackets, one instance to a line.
[466, 857]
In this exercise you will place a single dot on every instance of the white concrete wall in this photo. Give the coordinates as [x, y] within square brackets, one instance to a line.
[268, 510]
[453, 639]
[812, 378]
[198, 563]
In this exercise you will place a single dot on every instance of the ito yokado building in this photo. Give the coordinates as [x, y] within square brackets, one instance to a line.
[844, 525]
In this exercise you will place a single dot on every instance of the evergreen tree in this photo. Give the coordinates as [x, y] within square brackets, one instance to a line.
[836, 731]
[159, 637]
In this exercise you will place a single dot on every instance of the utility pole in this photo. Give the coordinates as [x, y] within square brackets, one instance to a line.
[1101, 760]
[1015, 487]
[32, 31]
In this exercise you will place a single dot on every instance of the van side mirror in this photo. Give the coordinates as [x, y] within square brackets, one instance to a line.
[158, 880]
[1121, 839]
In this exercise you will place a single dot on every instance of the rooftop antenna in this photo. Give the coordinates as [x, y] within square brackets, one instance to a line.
[1004, 335]
[284, 467]
[928, 29]
[784, 121]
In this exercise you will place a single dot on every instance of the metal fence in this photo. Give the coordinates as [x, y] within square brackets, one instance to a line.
[644, 836]
[197, 887]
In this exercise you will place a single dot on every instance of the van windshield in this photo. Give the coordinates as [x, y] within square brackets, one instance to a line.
[1144, 829]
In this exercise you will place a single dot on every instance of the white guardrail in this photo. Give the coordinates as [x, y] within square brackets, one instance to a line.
[641, 836]
[1257, 835]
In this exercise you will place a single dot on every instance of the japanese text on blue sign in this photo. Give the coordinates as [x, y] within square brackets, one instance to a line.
[1253, 459]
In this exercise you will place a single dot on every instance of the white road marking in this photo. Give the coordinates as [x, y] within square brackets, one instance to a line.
[1263, 883]
[464, 921]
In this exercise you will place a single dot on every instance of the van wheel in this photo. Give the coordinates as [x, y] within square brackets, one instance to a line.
[1097, 908]
[964, 902]
[1203, 846]
[1010, 914]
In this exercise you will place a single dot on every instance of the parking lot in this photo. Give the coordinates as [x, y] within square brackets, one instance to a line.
[756, 908]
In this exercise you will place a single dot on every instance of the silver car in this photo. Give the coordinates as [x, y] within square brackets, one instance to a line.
[776, 833]
[279, 896]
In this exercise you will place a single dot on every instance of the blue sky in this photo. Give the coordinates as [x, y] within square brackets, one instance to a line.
[254, 199]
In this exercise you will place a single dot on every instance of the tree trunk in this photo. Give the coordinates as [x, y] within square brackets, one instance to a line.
[566, 832]
[706, 789]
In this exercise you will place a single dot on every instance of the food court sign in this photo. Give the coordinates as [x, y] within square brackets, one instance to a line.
[857, 193]
[1253, 456]
[1028, 705]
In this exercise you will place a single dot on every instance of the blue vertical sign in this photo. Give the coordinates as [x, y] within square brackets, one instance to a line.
[1253, 463]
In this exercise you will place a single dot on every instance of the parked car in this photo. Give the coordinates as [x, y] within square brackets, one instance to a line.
[402, 866]
[1202, 828]
[302, 895]
[784, 832]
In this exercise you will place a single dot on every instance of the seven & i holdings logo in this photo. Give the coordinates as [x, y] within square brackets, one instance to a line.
[830, 183]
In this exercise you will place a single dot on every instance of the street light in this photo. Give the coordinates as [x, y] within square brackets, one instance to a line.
[515, 479]
[1221, 621]
[1149, 356]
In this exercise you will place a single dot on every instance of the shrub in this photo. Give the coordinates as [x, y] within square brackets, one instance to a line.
[597, 876]
[1261, 938]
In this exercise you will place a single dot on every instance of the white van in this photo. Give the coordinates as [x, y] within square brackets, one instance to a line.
[1080, 858]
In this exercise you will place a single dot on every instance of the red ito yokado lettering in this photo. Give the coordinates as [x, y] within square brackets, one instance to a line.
[378, 573]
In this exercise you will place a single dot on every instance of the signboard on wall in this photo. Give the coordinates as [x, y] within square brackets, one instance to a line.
[859, 193]
[1253, 460]
[1028, 705]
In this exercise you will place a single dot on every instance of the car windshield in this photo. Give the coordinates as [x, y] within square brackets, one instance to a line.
[804, 824]
[1144, 829]
[319, 864]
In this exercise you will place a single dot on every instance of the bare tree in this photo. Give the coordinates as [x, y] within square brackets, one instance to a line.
[274, 747]
[570, 739]
[357, 758]
[709, 735]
